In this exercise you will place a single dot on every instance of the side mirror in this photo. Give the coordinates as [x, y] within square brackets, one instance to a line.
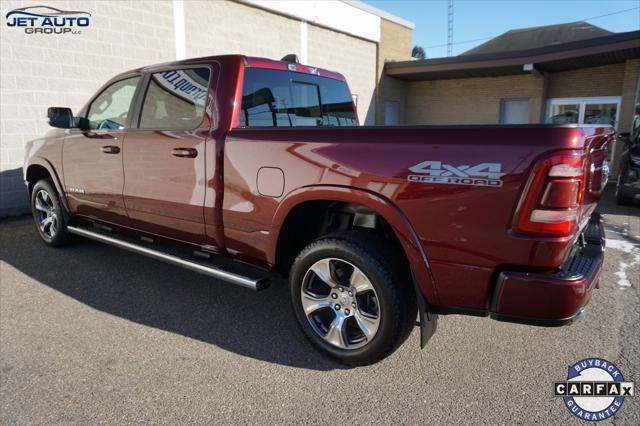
[61, 117]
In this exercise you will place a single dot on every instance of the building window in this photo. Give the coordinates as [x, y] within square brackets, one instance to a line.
[514, 111]
[597, 110]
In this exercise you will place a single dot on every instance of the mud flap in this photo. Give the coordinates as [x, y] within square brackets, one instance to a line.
[428, 320]
[428, 326]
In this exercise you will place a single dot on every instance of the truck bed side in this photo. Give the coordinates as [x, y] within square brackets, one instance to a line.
[465, 229]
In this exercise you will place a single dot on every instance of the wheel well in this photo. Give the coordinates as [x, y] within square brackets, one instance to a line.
[312, 219]
[36, 173]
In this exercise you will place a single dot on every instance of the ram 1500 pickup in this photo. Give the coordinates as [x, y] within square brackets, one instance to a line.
[216, 162]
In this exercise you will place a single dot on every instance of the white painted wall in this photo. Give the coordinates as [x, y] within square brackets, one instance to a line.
[333, 14]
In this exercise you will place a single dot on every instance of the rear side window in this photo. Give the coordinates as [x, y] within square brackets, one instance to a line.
[337, 103]
[266, 99]
[175, 99]
[272, 98]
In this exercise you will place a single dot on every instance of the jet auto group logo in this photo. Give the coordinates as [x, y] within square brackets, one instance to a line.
[594, 390]
[48, 20]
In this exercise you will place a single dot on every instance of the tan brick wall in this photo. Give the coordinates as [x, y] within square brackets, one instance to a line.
[395, 44]
[596, 81]
[470, 100]
[352, 57]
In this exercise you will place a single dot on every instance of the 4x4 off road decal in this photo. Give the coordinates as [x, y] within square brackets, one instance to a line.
[483, 174]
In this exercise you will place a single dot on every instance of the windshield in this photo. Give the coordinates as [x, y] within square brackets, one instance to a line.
[272, 98]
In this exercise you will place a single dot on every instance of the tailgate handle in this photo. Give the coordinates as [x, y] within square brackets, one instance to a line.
[110, 149]
[185, 152]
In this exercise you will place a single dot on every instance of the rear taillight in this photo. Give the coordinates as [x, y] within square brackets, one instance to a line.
[550, 203]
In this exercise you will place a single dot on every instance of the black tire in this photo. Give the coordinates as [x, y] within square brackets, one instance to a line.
[621, 199]
[54, 209]
[388, 273]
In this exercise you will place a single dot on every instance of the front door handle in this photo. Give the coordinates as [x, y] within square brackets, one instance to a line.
[110, 149]
[185, 152]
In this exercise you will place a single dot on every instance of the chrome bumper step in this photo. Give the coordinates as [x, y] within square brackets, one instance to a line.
[255, 284]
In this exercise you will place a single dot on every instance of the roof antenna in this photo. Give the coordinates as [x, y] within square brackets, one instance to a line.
[450, 29]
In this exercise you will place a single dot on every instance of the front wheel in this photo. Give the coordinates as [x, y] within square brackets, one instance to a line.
[353, 296]
[48, 213]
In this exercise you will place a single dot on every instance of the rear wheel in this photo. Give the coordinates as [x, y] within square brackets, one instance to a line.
[353, 297]
[48, 213]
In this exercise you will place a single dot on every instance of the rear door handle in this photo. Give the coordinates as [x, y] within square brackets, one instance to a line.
[185, 152]
[110, 149]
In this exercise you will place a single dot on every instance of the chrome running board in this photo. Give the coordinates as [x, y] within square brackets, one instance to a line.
[243, 281]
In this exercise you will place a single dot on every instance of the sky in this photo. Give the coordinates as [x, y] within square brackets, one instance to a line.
[476, 19]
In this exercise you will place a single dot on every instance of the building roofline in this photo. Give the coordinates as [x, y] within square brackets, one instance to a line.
[379, 12]
[582, 48]
[540, 35]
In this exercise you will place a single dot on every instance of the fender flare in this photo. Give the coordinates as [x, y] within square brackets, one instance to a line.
[43, 162]
[423, 277]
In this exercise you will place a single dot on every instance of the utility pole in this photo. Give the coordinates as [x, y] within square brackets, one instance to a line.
[450, 29]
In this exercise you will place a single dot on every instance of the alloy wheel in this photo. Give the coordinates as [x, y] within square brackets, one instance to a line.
[340, 303]
[46, 215]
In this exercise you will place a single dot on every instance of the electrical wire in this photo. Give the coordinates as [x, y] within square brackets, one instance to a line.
[534, 29]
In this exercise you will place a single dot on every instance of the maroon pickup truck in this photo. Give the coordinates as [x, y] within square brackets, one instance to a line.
[248, 168]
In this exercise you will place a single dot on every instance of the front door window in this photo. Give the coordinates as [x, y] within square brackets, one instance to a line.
[109, 110]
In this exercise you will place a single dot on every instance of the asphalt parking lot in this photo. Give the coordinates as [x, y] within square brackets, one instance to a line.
[92, 334]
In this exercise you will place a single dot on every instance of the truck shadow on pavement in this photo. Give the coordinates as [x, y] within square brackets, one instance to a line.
[148, 292]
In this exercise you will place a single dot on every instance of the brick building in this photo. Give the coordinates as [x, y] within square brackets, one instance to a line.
[570, 73]
[38, 70]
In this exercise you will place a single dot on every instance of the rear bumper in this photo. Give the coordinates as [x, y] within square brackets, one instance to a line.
[554, 299]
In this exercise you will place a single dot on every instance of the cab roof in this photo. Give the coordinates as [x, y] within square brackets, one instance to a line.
[249, 62]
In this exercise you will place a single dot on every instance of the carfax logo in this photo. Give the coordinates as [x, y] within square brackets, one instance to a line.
[595, 389]
[483, 174]
[48, 20]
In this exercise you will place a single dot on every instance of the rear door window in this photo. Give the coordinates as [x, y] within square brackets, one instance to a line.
[175, 99]
[272, 98]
